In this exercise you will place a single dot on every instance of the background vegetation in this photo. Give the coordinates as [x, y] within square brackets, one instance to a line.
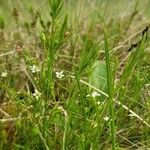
[74, 74]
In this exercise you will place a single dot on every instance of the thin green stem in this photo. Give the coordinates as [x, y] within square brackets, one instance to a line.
[110, 93]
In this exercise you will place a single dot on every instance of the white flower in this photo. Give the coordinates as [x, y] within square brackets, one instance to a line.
[37, 94]
[94, 94]
[34, 69]
[106, 118]
[59, 75]
[4, 74]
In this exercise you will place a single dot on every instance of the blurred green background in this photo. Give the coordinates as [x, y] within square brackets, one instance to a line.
[76, 8]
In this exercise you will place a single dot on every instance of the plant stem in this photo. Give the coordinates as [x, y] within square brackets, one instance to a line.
[110, 93]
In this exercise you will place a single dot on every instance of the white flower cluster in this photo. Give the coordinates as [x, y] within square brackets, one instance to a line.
[37, 94]
[106, 118]
[34, 69]
[59, 75]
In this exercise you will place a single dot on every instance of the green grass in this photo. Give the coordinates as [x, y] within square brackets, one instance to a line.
[74, 75]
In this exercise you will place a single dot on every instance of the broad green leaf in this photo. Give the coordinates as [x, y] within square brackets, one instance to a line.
[98, 77]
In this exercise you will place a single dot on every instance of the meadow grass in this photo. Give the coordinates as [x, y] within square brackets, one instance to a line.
[74, 75]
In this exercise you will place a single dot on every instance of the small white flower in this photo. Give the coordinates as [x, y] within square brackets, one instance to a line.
[60, 74]
[106, 118]
[37, 94]
[4, 74]
[94, 94]
[34, 69]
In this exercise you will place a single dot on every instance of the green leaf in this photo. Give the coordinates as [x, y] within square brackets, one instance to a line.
[56, 6]
[98, 77]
